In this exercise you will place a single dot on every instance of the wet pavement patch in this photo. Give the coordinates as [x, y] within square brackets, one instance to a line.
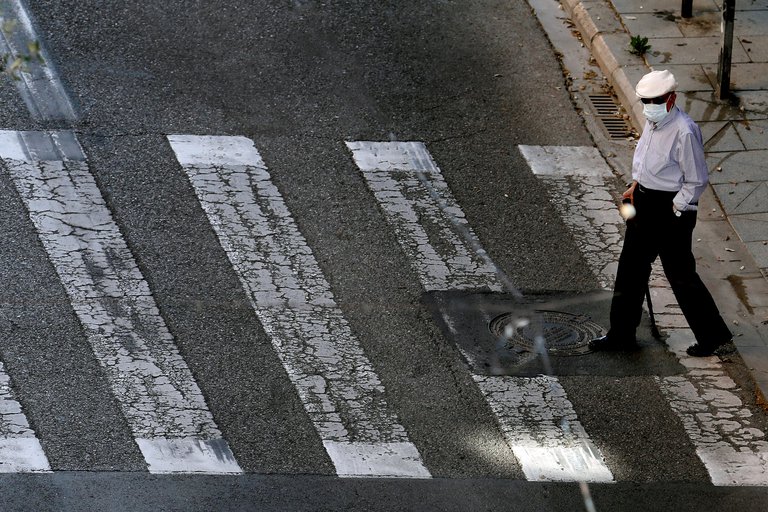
[499, 335]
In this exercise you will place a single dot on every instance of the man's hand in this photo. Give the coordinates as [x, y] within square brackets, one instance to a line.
[627, 208]
[630, 193]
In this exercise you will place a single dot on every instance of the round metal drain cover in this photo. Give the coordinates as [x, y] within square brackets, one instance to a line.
[565, 334]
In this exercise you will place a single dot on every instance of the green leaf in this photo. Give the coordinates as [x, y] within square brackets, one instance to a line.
[639, 45]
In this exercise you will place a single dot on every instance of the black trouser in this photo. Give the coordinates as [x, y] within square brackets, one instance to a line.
[657, 231]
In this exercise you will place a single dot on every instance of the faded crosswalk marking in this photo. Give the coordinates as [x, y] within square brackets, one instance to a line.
[396, 173]
[714, 417]
[336, 383]
[157, 394]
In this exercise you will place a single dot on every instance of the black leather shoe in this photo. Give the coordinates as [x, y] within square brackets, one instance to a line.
[605, 344]
[699, 350]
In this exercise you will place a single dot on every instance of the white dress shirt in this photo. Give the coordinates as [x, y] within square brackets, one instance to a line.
[670, 157]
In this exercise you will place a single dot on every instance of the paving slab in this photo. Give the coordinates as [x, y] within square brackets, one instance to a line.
[738, 166]
[750, 76]
[754, 134]
[689, 50]
[701, 106]
[751, 5]
[603, 16]
[720, 136]
[752, 290]
[702, 24]
[755, 46]
[619, 44]
[633, 6]
[648, 25]
[751, 227]
[752, 23]
[743, 198]
[754, 103]
[689, 77]
[760, 252]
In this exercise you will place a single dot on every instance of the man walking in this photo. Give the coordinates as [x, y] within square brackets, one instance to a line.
[669, 174]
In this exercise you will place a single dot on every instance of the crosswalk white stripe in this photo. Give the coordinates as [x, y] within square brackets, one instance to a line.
[732, 449]
[546, 436]
[537, 434]
[576, 177]
[158, 395]
[440, 256]
[714, 417]
[339, 388]
[541, 426]
[20, 450]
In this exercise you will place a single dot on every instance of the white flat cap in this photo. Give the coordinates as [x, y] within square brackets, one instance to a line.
[655, 84]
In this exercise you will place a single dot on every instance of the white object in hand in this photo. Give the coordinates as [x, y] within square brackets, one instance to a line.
[627, 211]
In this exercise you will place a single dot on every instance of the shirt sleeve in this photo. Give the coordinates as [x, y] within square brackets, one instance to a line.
[639, 155]
[693, 165]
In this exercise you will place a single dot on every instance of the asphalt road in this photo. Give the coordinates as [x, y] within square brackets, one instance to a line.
[472, 81]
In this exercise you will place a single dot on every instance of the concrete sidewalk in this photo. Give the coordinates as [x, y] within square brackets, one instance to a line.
[733, 247]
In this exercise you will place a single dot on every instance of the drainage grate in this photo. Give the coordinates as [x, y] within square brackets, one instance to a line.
[565, 334]
[608, 112]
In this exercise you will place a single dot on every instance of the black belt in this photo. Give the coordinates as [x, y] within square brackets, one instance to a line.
[666, 194]
[650, 191]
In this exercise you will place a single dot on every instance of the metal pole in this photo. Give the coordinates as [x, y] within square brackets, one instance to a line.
[726, 47]
[654, 328]
[686, 11]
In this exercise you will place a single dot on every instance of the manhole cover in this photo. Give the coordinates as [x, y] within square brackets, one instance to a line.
[565, 334]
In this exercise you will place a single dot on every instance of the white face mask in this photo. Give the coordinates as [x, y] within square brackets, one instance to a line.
[655, 113]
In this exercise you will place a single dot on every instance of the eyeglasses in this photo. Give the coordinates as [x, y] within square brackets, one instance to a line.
[656, 101]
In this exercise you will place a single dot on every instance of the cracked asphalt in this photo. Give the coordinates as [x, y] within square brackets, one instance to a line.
[472, 81]
[299, 80]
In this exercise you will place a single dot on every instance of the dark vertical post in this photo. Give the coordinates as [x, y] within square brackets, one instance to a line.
[726, 47]
[686, 11]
